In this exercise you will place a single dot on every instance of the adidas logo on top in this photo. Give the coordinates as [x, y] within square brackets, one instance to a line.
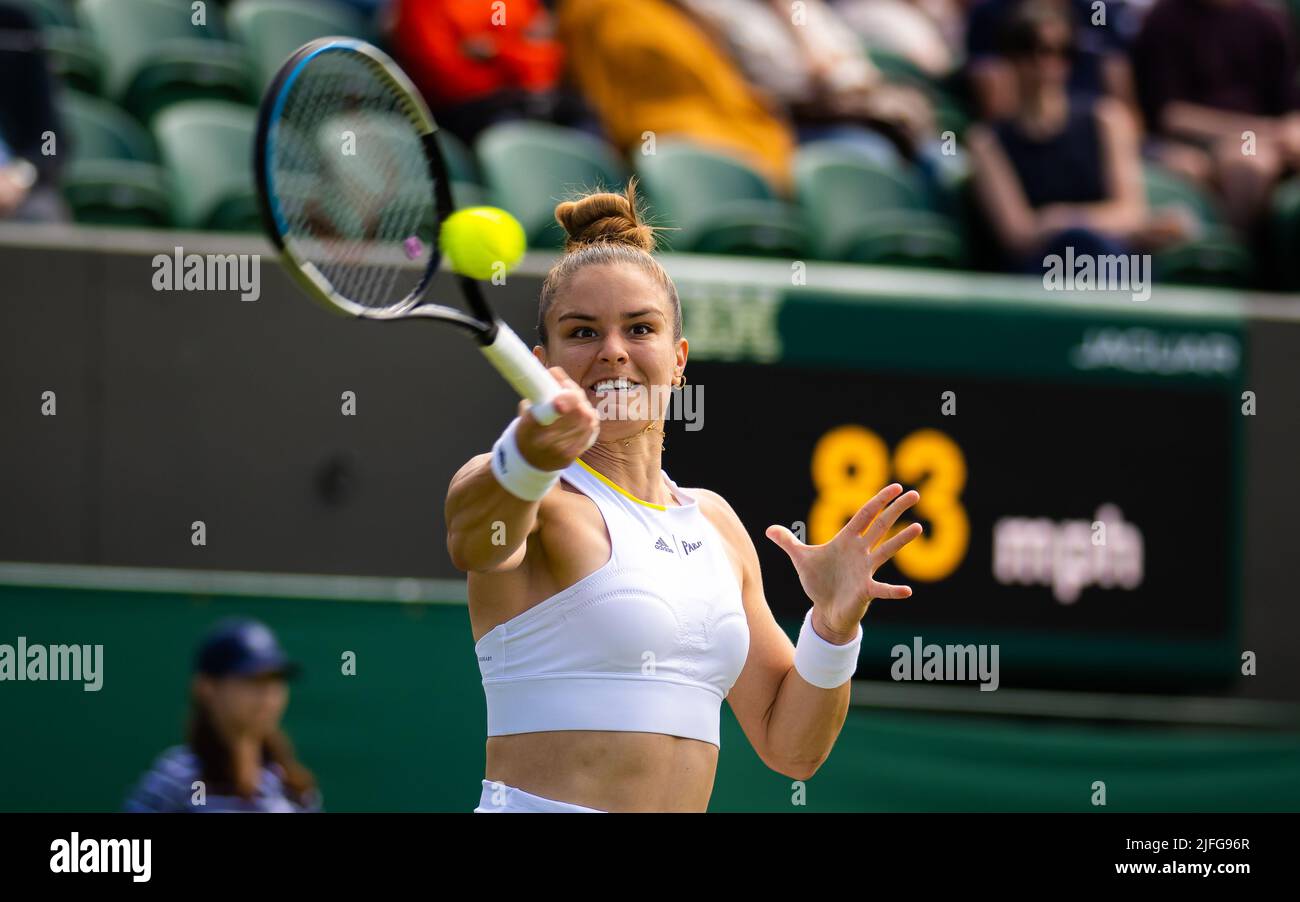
[663, 546]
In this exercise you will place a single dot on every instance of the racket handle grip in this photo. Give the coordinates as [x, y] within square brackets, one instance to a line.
[523, 371]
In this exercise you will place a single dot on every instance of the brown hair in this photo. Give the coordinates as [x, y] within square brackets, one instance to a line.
[217, 769]
[1019, 37]
[605, 228]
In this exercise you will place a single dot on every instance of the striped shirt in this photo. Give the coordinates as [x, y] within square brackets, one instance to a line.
[169, 787]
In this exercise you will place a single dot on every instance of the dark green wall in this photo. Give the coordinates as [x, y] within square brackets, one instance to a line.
[406, 732]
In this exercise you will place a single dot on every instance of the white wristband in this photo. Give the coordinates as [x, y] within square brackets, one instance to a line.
[825, 664]
[516, 475]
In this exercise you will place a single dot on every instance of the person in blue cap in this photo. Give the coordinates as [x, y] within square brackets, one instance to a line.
[236, 756]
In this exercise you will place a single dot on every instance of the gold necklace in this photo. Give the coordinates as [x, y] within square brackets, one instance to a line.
[651, 425]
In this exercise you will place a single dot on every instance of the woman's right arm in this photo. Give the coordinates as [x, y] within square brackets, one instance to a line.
[487, 526]
[1001, 194]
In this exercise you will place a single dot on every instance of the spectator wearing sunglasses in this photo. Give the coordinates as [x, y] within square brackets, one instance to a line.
[1064, 170]
[1099, 60]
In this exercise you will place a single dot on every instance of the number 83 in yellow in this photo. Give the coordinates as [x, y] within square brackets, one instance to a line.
[851, 463]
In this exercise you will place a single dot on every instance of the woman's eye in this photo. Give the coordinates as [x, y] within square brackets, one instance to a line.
[588, 332]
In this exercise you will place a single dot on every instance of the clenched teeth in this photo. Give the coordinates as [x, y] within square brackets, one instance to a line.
[619, 384]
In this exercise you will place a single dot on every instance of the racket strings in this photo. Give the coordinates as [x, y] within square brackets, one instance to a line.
[348, 167]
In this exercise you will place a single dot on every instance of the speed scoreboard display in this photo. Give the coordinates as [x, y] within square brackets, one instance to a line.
[1078, 472]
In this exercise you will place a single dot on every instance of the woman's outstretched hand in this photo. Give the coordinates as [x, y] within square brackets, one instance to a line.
[839, 575]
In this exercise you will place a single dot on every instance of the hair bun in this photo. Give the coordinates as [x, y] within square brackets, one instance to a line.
[605, 217]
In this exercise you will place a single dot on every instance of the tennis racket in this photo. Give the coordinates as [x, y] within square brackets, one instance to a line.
[354, 189]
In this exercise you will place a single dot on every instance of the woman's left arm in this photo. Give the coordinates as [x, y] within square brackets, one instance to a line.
[791, 723]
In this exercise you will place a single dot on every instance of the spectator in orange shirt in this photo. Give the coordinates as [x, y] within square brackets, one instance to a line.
[480, 63]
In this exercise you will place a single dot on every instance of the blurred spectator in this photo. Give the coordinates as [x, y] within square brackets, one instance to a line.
[1217, 83]
[476, 64]
[29, 189]
[810, 65]
[930, 34]
[646, 68]
[1100, 63]
[1065, 170]
[235, 748]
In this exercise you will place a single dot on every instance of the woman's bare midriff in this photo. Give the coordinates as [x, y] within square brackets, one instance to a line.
[607, 770]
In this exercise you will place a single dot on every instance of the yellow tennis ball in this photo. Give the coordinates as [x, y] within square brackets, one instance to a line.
[480, 241]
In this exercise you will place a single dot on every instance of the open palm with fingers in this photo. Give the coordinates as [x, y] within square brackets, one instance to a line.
[839, 575]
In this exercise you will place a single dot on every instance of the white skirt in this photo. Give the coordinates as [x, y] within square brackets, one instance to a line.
[498, 798]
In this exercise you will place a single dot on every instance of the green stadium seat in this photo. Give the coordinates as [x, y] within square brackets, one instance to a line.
[899, 69]
[460, 159]
[75, 59]
[531, 166]
[112, 176]
[1284, 236]
[117, 193]
[1217, 257]
[949, 111]
[271, 30]
[1165, 189]
[207, 147]
[718, 204]
[468, 194]
[101, 130]
[863, 212]
[950, 114]
[154, 56]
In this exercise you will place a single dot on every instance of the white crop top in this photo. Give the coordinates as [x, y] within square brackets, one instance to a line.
[651, 642]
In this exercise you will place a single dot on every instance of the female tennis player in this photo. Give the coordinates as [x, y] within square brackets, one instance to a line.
[612, 610]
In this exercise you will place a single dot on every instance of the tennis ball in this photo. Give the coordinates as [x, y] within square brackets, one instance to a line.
[478, 239]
